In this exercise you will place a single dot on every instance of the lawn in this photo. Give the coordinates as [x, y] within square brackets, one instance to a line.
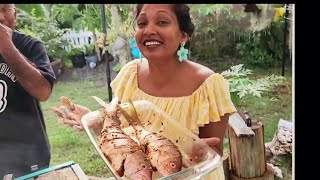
[70, 145]
[66, 143]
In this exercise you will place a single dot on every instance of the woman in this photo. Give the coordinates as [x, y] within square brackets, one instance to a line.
[192, 94]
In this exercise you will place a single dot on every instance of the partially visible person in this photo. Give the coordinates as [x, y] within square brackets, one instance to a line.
[26, 77]
[192, 94]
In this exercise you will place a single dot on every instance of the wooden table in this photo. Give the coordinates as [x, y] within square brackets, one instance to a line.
[66, 171]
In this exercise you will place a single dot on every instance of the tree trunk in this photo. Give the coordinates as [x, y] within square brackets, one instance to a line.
[269, 175]
[247, 153]
[226, 166]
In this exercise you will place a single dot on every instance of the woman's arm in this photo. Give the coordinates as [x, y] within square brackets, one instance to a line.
[215, 129]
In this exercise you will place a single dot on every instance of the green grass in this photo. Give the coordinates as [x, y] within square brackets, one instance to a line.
[70, 145]
[269, 109]
[66, 143]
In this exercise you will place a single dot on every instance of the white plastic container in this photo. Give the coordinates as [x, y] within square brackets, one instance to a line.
[195, 167]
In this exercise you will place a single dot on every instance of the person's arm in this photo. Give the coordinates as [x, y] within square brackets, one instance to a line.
[28, 76]
[214, 130]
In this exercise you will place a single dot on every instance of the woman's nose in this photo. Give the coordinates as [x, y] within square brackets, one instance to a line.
[149, 30]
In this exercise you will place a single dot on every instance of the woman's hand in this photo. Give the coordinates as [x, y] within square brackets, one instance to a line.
[200, 150]
[70, 114]
[213, 142]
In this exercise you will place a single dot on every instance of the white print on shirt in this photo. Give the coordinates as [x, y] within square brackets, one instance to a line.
[4, 69]
[3, 95]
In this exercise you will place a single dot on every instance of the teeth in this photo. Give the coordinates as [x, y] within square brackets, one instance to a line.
[149, 43]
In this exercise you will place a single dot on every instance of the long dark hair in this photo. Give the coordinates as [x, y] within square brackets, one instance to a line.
[183, 17]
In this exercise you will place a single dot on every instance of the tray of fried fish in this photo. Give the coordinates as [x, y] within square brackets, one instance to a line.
[133, 147]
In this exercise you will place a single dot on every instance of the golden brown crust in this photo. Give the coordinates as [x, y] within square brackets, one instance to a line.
[67, 102]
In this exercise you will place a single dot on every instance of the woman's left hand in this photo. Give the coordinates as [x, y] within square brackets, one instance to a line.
[200, 150]
[213, 143]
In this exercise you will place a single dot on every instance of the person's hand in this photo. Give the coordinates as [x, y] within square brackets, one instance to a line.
[213, 143]
[200, 149]
[70, 113]
[5, 36]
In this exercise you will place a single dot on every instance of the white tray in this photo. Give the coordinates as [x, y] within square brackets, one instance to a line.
[193, 169]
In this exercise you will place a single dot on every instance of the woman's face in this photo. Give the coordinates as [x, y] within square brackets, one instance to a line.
[157, 32]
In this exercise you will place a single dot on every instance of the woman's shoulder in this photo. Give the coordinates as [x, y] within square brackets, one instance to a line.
[127, 73]
[132, 63]
[199, 72]
[130, 67]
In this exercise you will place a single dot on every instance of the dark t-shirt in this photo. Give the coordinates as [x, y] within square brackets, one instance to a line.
[23, 138]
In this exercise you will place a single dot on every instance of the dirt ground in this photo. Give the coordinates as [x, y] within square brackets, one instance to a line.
[97, 74]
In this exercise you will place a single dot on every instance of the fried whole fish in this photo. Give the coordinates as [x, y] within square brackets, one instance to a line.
[164, 155]
[125, 155]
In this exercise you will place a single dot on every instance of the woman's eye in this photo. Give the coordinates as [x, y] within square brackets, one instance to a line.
[163, 22]
[141, 24]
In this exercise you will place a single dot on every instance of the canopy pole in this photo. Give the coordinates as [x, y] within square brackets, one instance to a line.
[104, 28]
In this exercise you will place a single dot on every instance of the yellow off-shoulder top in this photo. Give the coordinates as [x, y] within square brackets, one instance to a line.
[207, 103]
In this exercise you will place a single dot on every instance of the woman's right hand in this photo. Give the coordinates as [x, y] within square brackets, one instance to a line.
[70, 113]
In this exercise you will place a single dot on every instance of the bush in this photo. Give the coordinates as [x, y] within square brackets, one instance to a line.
[242, 86]
[263, 48]
[47, 31]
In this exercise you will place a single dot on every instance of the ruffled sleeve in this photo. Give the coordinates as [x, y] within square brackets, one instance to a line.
[219, 98]
[124, 83]
[211, 101]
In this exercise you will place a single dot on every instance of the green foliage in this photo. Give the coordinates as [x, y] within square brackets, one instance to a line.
[90, 18]
[89, 49]
[77, 50]
[68, 64]
[117, 68]
[214, 34]
[65, 13]
[79, 16]
[37, 10]
[253, 54]
[46, 31]
[241, 85]
[264, 48]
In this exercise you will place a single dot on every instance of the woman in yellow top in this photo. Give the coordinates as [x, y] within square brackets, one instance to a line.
[192, 94]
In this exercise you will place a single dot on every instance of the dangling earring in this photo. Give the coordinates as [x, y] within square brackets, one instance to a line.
[140, 57]
[183, 53]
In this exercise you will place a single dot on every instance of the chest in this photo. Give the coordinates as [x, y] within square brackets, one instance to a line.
[175, 87]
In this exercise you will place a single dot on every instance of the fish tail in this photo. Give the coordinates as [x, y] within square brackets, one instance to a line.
[129, 112]
[100, 101]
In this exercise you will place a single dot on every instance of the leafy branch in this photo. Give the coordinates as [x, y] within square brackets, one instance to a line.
[243, 86]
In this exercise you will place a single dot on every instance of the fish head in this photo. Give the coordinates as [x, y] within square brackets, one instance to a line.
[170, 166]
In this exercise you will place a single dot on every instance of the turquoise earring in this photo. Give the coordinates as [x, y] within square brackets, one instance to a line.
[183, 53]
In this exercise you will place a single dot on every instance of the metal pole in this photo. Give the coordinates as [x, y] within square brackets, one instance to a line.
[285, 39]
[104, 28]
